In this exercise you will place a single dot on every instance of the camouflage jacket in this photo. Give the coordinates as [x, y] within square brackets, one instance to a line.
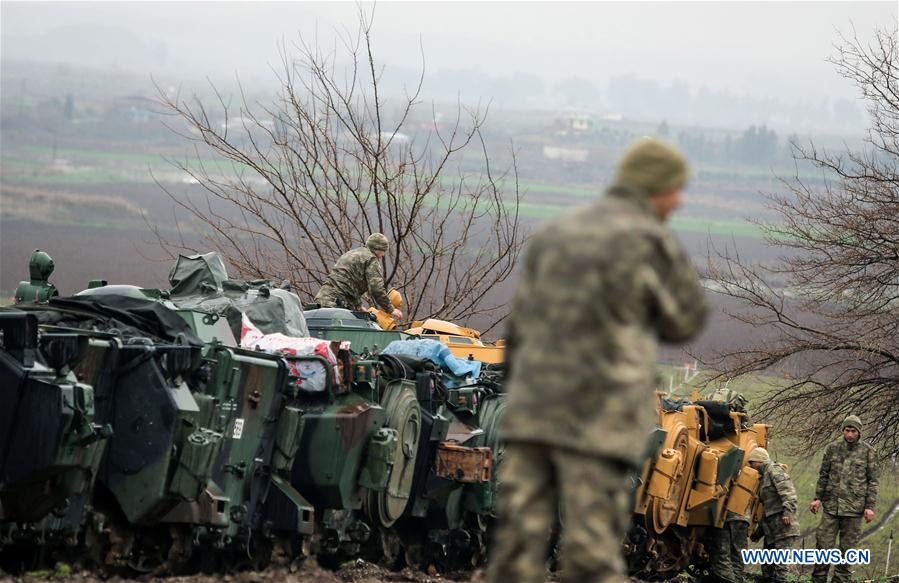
[847, 482]
[778, 497]
[356, 272]
[737, 403]
[599, 287]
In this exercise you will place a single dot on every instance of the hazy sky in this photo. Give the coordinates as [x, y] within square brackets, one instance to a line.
[758, 48]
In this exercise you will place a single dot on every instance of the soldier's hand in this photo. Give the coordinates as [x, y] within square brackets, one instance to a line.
[869, 515]
[787, 520]
[397, 314]
[814, 506]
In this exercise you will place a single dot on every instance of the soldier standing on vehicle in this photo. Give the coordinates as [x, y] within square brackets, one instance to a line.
[847, 490]
[599, 288]
[780, 522]
[358, 272]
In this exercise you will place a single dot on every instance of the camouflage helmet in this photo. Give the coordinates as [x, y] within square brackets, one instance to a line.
[759, 454]
[377, 242]
[852, 421]
[737, 401]
[653, 165]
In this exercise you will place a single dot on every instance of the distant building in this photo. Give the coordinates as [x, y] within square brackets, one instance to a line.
[135, 109]
[239, 124]
[396, 139]
[565, 154]
[581, 124]
[576, 124]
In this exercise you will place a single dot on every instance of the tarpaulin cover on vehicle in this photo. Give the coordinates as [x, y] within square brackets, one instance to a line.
[145, 316]
[200, 282]
[436, 352]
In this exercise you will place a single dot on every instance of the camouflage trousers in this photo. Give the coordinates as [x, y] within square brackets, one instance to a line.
[328, 297]
[778, 573]
[543, 487]
[849, 529]
[725, 560]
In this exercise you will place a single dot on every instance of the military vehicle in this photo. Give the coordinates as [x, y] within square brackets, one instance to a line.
[133, 444]
[449, 505]
[463, 342]
[695, 471]
[141, 437]
[360, 328]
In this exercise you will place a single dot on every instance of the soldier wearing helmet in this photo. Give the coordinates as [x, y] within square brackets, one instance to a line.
[780, 522]
[356, 273]
[605, 283]
[847, 491]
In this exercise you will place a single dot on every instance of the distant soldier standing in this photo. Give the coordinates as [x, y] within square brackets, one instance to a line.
[599, 287]
[780, 525]
[847, 489]
[358, 272]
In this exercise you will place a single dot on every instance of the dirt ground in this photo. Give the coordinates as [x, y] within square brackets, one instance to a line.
[358, 571]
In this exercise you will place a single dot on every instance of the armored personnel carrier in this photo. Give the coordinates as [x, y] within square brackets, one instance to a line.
[695, 472]
[141, 436]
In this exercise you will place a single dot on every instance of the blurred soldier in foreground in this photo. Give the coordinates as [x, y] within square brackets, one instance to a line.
[599, 287]
[725, 560]
[780, 522]
[847, 489]
[358, 272]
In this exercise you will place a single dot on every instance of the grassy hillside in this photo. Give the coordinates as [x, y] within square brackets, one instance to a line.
[803, 469]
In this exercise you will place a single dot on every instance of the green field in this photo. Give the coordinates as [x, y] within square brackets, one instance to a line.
[803, 469]
[32, 166]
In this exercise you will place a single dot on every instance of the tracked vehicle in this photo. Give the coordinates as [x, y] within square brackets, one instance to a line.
[695, 472]
[142, 437]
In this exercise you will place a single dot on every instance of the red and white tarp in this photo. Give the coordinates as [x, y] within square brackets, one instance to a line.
[311, 373]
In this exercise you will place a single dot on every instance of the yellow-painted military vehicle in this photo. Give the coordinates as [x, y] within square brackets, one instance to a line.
[695, 472]
[462, 342]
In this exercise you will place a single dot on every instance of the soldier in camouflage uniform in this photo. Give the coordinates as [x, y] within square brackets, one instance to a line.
[780, 522]
[358, 272]
[736, 401]
[725, 560]
[599, 287]
[847, 489]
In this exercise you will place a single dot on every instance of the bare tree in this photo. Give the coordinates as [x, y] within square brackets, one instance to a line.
[331, 160]
[834, 325]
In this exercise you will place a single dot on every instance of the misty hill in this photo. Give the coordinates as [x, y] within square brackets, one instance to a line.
[103, 46]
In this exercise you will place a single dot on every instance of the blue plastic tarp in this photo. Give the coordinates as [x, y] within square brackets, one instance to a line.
[438, 353]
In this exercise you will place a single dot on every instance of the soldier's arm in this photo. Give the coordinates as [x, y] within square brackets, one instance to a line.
[376, 289]
[873, 484]
[675, 291]
[787, 492]
[823, 474]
